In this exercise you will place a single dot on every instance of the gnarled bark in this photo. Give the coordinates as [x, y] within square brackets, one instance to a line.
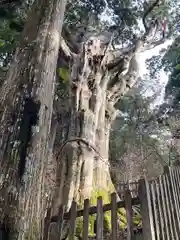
[100, 76]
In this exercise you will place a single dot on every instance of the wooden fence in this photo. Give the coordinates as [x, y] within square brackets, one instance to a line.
[159, 202]
[163, 196]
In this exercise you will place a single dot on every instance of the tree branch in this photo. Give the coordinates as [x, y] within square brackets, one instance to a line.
[72, 41]
[65, 48]
[147, 12]
[128, 77]
[153, 44]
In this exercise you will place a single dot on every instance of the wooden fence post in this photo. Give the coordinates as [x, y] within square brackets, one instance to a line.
[173, 201]
[86, 219]
[164, 207]
[60, 221]
[168, 202]
[146, 210]
[160, 210]
[129, 214]
[47, 223]
[100, 218]
[114, 216]
[72, 220]
[157, 215]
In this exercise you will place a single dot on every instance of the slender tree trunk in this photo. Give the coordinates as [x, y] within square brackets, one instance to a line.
[26, 102]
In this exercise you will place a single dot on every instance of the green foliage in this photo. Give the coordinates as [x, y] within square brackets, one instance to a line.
[177, 67]
[100, 192]
[125, 14]
[79, 226]
[93, 202]
[171, 58]
[137, 143]
[106, 196]
[8, 40]
[12, 17]
[63, 74]
[129, 130]
[173, 155]
[171, 63]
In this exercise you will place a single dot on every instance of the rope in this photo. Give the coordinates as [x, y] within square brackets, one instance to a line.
[83, 140]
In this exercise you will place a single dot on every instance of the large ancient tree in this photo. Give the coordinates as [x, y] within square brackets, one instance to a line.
[99, 76]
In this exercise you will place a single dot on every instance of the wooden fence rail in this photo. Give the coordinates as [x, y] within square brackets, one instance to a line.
[127, 203]
[159, 202]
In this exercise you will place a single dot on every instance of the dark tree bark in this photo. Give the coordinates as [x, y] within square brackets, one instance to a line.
[26, 104]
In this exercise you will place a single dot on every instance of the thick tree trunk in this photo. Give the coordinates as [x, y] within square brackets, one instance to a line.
[93, 91]
[99, 77]
[26, 102]
[83, 158]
